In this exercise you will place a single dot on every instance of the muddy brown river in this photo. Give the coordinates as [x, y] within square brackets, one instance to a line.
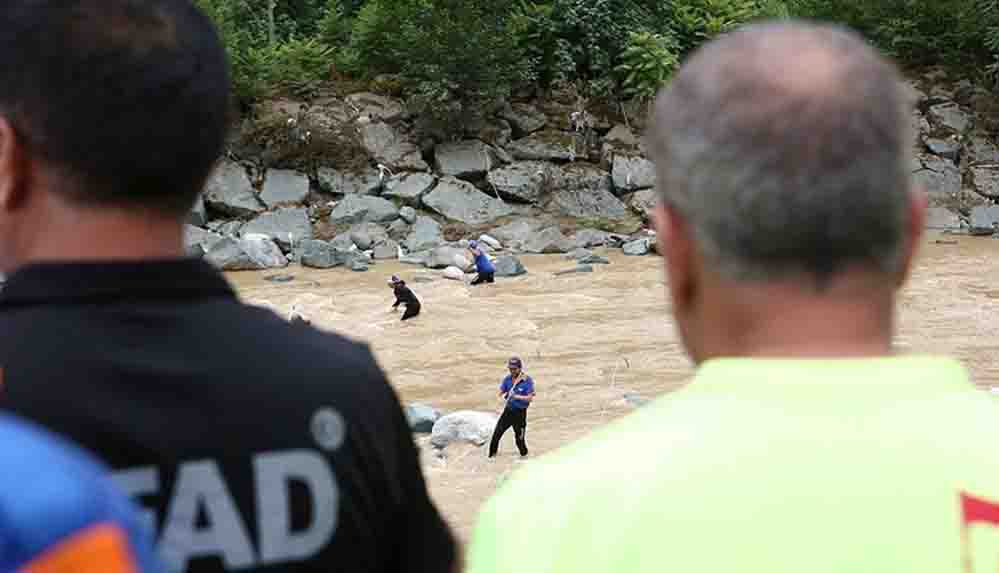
[587, 340]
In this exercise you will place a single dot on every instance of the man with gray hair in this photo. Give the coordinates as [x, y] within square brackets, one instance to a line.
[804, 443]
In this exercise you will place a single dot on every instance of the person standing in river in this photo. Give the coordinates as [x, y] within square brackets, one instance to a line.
[517, 392]
[483, 266]
[404, 295]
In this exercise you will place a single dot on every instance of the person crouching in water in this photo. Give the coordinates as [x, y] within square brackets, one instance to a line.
[483, 266]
[517, 390]
[403, 295]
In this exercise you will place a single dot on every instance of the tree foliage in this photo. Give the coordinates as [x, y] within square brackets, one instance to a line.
[450, 56]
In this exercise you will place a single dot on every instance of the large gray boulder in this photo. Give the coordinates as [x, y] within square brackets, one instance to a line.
[950, 116]
[621, 135]
[366, 182]
[285, 226]
[263, 251]
[947, 148]
[524, 181]
[524, 118]
[284, 187]
[249, 253]
[363, 208]
[230, 191]
[545, 146]
[376, 107]
[491, 242]
[941, 218]
[424, 235]
[984, 219]
[446, 256]
[409, 188]
[516, 232]
[408, 214]
[585, 238]
[465, 159]
[580, 268]
[343, 241]
[547, 241]
[366, 235]
[938, 176]
[198, 241]
[418, 258]
[643, 202]
[580, 177]
[509, 266]
[638, 247]
[226, 228]
[453, 273]
[197, 215]
[982, 150]
[385, 250]
[464, 426]
[399, 229]
[592, 204]
[985, 179]
[493, 131]
[460, 201]
[228, 255]
[390, 148]
[317, 254]
[421, 417]
[632, 173]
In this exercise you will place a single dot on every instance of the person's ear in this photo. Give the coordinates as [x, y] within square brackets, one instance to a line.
[913, 234]
[13, 167]
[676, 244]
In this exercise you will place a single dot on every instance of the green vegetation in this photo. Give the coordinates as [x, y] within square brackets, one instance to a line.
[452, 57]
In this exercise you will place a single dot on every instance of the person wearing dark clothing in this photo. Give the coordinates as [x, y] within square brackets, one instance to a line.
[253, 444]
[483, 266]
[517, 390]
[404, 295]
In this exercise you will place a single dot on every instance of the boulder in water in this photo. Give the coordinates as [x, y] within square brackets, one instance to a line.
[509, 266]
[454, 273]
[637, 247]
[421, 417]
[465, 426]
[577, 269]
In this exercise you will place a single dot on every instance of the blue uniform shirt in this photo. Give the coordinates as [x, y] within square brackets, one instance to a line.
[482, 263]
[59, 512]
[524, 388]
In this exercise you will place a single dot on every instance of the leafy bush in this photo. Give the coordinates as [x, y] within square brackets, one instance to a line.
[448, 53]
[451, 55]
[647, 63]
[915, 31]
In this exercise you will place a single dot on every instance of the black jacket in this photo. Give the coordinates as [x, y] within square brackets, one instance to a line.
[404, 296]
[253, 444]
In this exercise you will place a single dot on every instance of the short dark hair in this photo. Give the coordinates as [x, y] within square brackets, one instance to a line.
[127, 99]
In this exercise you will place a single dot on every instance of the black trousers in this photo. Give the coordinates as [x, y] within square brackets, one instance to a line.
[484, 278]
[517, 419]
[411, 311]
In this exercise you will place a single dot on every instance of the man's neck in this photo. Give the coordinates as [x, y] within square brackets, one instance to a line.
[852, 318]
[73, 234]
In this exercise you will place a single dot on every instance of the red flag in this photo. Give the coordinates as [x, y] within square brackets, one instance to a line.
[977, 510]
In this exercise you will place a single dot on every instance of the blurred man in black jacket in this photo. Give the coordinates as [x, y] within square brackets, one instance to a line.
[253, 444]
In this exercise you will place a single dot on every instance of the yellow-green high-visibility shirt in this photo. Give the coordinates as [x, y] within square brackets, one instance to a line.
[885, 465]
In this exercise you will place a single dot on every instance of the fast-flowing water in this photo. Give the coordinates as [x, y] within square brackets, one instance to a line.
[587, 339]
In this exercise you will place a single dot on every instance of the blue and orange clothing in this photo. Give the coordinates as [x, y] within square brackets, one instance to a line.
[60, 513]
[525, 387]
